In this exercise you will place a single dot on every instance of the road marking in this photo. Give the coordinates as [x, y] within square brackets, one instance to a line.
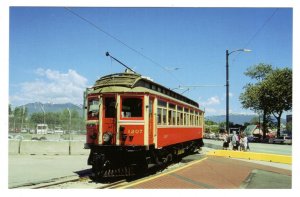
[163, 174]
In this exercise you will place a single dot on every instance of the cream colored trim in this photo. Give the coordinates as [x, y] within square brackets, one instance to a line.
[177, 126]
[167, 115]
[100, 119]
[131, 123]
[118, 118]
[92, 121]
[146, 117]
[155, 122]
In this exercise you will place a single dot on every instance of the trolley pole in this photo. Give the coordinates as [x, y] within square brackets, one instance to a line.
[107, 54]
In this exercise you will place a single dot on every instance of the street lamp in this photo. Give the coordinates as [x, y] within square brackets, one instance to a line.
[69, 131]
[42, 107]
[69, 120]
[227, 84]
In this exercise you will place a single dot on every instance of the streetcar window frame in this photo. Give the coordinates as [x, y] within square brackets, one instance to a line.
[127, 113]
[93, 112]
[178, 114]
[161, 112]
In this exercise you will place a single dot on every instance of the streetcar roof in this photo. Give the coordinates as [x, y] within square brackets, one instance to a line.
[139, 83]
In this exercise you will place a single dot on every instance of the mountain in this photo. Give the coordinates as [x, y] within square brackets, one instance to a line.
[51, 107]
[237, 118]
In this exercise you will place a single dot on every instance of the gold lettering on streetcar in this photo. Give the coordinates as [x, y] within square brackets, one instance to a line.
[135, 131]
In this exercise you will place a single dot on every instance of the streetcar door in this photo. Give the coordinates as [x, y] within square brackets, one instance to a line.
[109, 120]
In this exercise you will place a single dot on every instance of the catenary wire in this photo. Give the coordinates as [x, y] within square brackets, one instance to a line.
[120, 41]
[256, 33]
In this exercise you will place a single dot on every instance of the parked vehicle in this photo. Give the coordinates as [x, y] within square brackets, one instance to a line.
[41, 129]
[58, 130]
[281, 140]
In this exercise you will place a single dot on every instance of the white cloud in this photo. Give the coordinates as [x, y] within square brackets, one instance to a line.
[211, 101]
[52, 86]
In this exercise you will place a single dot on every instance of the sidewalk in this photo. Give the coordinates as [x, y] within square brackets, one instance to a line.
[219, 173]
[32, 169]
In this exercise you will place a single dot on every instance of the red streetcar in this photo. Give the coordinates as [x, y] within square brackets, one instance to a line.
[134, 124]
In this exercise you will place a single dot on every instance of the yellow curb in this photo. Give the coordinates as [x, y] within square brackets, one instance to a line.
[163, 174]
[252, 156]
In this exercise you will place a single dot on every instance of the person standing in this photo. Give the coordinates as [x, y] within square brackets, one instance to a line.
[235, 141]
[243, 142]
[226, 141]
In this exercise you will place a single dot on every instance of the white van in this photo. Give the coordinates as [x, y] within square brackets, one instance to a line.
[41, 129]
[58, 130]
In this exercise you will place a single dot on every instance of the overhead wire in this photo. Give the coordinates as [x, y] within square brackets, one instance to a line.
[261, 28]
[257, 32]
[121, 42]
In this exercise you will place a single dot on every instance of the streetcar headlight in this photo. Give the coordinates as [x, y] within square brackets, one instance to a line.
[107, 137]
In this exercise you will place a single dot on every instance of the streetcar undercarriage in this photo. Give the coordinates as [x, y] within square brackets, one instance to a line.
[119, 161]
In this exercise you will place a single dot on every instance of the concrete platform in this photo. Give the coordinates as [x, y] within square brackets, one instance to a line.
[215, 172]
[253, 156]
[33, 169]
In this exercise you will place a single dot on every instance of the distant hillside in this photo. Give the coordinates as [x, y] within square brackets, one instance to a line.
[235, 118]
[50, 107]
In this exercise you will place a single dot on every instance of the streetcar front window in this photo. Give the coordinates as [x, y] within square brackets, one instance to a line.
[132, 107]
[93, 108]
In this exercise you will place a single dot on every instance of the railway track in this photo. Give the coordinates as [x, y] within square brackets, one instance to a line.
[75, 182]
[82, 180]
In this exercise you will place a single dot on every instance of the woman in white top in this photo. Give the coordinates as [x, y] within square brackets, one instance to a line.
[243, 142]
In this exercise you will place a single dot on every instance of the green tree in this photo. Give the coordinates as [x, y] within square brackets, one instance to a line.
[279, 86]
[289, 126]
[267, 96]
[10, 111]
[254, 97]
[37, 117]
[259, 72]
[210, 122]
[19, 117]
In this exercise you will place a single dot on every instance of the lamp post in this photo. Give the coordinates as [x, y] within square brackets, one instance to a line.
[69, 131]
[227, 84]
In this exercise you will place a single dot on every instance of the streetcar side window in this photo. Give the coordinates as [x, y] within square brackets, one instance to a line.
[192, 116]
[201, 119]
[159, 116]
[162, 112]
[187, 117]
[197, 119]
[132, 107]
[93, 108]
[164, 116]
[172, 114]
[179, 116]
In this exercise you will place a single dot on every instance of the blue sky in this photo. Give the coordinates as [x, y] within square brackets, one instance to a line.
[54, 55]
